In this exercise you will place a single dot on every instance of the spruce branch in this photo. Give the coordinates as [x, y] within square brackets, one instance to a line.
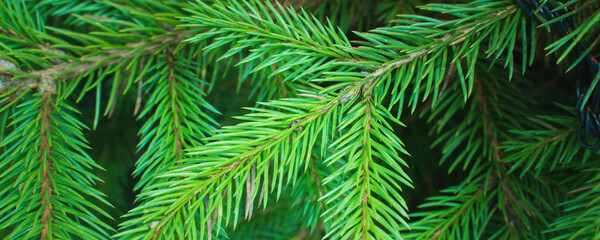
[580, 219]
[459, 36]
[365, 147]
[365, 174]
[238, 165]
[269, 35]
[248, 157]
[177, 118]
[53, 175]
[552, 144]
[44, 148]
[482, 126]
[428, 60]
[461, 210]
[243, 164]
[85, 65]
[488, 127]
[509, 199]
[174, 107]
[174, 88]
[306, 53]
[371, 78]
[469, 205]
[259, 24]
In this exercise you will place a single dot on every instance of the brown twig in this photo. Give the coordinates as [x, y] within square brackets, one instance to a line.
[46, 163]
[582, 189]
[509, 195]
[365, 175]
[175, 109]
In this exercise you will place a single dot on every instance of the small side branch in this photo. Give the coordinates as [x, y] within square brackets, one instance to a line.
[45, 163]
[497, 160]
[174, 106]
[366, 191]
[458, 36]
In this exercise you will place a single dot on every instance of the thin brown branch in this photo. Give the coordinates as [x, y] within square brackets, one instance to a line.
[316, 179]
[509, 195]
[45, 163]
[551, 140]
[409, 58]
[438, 232]
[582, 189]
[365, 175]
[487, 122]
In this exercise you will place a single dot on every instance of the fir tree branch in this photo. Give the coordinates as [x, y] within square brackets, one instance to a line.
[497, 159]
[366, 200]
[487, 122]
[248, 156]
[424, 61]
[174, 107]
[300, 47]
[365, 174]
[166, 98]
[46, 161]
[316, 180]
[71, 69]
[52, 172]
[460, 210]
[580, 217]
[548, 141]
[219, 175]
[338, 91]
[464, 208]
[482, 123]
[552, 143]
[241, 163]
[261, 25]
[176, 120]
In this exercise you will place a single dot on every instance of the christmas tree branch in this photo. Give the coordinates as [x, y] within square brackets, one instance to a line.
[46, 163]
[174, 108]
[71, 69]
[53, 174]
[498, 161]
[527, 150]
[461, 210]
[459, 36]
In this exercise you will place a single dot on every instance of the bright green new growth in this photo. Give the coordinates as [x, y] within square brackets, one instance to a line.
[54, 154]
[321, 154]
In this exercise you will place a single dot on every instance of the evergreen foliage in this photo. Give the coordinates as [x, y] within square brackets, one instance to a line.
[298, 119]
